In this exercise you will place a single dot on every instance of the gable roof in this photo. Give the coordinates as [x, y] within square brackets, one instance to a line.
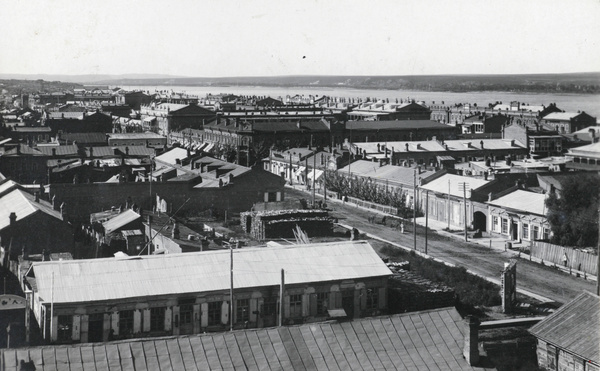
[430, 340]
[171, 156]
[120, 220]
[528, 202]
[118, 279]
[23, 205]
[371, 169]
[450, 183]
[561, 115]
[574, 327]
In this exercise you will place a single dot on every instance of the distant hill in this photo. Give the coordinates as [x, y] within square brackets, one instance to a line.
[581, 83]
[90, 79]
[564, 83]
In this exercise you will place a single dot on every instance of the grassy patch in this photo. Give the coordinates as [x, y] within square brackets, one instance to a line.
[471, 290]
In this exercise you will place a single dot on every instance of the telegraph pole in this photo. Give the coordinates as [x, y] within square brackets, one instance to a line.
[231, 287]
[281, 289]
[415, 210]
[426, 218]
[464, 186]
[598, 257]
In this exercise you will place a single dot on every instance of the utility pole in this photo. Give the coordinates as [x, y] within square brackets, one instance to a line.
[52, 308]
[464, 186]
[415, 210]
[426, 218]
[231, 287]
[281, 290]
[291, 183]
[598, 257]
[314, 176]
[448, 205]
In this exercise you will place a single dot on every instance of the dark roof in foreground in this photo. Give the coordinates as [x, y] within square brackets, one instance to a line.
[574, 327]
[413, 341]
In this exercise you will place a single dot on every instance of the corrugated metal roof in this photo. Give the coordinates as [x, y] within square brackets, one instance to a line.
[561, 115]
[440, 185]
[395, 124]
[528, 202]
[120, 220]
[173, 155]
[574, 327]
[400, 174]
[428, 340]
[23, 205]
[112, 279]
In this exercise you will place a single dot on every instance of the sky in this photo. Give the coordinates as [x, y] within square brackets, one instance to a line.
[209, 38]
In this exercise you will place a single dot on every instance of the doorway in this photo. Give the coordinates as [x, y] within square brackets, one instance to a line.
[96, 327]
[479, 221]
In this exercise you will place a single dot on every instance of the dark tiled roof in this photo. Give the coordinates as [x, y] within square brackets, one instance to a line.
[574, 327]
[414, 341]
[397, 125]
[280, 126]
[84, 138]
[69, 150]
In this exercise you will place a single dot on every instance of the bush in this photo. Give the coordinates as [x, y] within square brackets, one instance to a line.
[471, 290]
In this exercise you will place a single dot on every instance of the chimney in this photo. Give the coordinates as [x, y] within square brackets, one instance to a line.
[18, 149]
[175, 232]
[63, 210]
[53, 152]
[13, 218]
[54, 202]
[481, 142]
[471, 346]
[127, 151]
[45, 255]
[91, 151]
[37, 196]
[406, 144]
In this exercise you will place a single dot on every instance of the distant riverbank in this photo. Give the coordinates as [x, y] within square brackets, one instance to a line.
[589, 103]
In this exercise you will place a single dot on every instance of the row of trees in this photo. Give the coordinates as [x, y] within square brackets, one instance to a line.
[368, 190]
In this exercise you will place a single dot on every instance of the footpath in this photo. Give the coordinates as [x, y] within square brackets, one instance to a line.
[500, 244]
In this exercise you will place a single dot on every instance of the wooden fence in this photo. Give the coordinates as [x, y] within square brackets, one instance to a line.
[366, 204]
[576, 259]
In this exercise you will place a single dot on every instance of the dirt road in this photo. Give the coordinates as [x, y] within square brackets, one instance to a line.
[546, 281]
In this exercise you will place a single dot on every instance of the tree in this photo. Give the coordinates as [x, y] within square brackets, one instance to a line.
[573, 214]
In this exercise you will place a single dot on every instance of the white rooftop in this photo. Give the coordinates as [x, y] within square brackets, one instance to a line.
[524, 201]
[450, 183]
[117, 279]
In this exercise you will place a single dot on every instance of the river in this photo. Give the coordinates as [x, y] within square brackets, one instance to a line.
[590, 103]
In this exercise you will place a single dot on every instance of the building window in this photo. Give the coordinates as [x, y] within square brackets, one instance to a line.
[126, 322]
[186, 314]
[214, 313]
[372, 299]
[495, 223]
[157, 319]
[295, 306]
[536, 232]
[242, 311]
[546, 233]
[269, 306]
[525, 231]
[504, 226]
[322, 302]
[65, 324]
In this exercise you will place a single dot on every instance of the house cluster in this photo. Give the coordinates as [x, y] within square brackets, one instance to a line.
[115, 208]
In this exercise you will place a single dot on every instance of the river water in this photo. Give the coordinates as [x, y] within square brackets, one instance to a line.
[590, 103]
